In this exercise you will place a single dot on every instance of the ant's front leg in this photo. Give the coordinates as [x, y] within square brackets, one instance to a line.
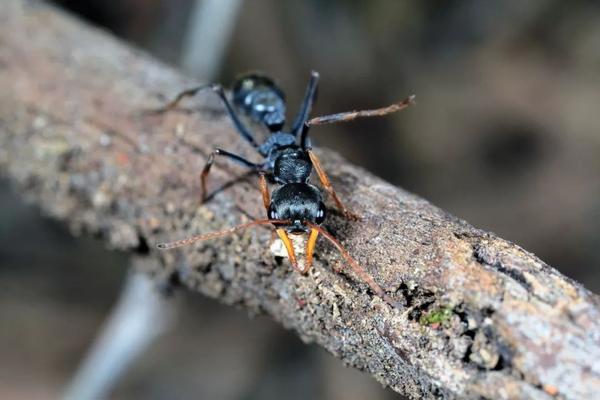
[211, 159]
[328, 187]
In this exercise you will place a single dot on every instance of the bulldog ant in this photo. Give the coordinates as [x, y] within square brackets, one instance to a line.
[295, 206]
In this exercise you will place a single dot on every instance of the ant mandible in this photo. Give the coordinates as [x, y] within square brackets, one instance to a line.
[295, 206]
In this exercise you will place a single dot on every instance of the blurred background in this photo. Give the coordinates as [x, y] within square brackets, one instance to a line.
[505, 134]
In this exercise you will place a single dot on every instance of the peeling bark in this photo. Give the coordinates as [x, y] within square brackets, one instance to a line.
[479, 317]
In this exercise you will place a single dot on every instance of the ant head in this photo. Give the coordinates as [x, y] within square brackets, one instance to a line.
[297, 203]
[261, 99]
[293, 165]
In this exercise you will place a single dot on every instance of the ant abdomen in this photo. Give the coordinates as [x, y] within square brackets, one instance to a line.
[261, 99]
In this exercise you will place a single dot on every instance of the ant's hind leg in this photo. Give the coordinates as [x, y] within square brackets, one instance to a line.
[240, 127]
[175, 102]
[210, 161]
[218, 89]
[309, 98]
[328, 187]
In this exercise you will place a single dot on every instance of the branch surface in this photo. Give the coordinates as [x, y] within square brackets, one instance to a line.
[479, 317]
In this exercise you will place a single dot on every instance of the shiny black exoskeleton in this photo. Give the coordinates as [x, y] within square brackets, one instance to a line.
[263, 101]
[260, 98]
[287, 158]
[297, 202]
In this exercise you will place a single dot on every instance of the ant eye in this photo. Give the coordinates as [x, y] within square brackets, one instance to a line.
[273, 214]
[321, 213]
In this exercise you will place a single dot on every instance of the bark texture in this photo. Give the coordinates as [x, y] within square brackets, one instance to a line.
[478, 316]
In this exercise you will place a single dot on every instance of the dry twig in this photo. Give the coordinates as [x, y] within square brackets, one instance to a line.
[480, 317]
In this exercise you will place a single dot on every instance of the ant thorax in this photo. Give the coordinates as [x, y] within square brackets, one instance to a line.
[277, 141]
[291, 165]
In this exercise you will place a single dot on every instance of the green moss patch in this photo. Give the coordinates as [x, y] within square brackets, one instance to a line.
[436, 316]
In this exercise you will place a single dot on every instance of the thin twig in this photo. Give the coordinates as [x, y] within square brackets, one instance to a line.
[479, 317]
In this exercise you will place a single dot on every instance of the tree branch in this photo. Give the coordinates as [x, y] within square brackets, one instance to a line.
[480, 317]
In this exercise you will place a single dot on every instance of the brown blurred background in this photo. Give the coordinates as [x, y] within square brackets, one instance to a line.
[506, 134]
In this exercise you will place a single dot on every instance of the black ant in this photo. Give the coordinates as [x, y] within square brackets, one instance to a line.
[295, 206]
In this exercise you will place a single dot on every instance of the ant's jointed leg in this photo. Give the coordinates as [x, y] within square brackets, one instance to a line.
[352, 115]
[218, 89]
[186, 93]
[211, 159]
[328, 187]
[309, 98]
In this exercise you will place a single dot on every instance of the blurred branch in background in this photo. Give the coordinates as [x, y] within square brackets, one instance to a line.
[142, 313]
[209, 31]
[507, 93]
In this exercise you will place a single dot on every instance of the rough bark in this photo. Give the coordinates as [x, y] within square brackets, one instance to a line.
[478, 316]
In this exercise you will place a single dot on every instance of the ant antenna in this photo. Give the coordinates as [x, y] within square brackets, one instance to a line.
[358, 270]
[351, 115]
[225, 232]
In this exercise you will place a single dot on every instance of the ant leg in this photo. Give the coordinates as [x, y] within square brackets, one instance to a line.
[186, 93]
[304, 140]
[218, 89]
[211, 159]
[241, 128]
[309, 98]
[358, 270]
[328, 187]
[264, 190]
[352, 115]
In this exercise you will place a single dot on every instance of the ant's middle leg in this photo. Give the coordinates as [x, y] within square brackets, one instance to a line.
[211, 159]
[352, 115]
[241, 128]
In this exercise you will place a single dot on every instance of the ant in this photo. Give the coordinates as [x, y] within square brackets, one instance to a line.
[295, 206]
